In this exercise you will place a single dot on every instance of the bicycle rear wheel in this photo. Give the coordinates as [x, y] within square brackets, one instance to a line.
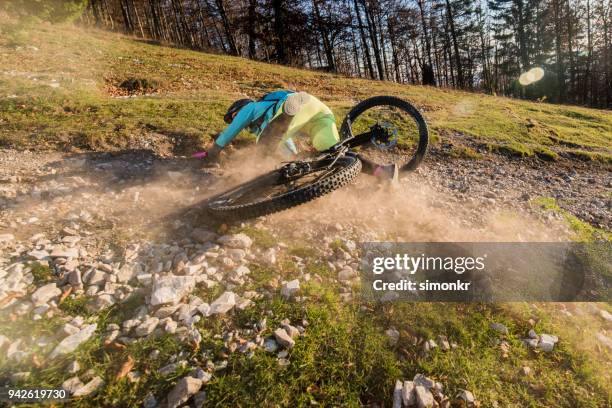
[406, 131]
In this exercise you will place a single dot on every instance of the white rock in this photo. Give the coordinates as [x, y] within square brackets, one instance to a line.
[73, 367]
[242, 303]
[70, 343]
[45, 293]
[269, 256]
[290, 288]
[68, 329]
[170, 326]
[606, 315]
[408, 396]
[605, 340]
[146, 327]
[166, 311]
[183, 390]
[236, 254]
[347, 273]
[39, 255]
[424, 398]
[223, 303]
[547, 342]
[533, 343]
[65, 253]
[467, 396]
[283, 338]
[72, 384]
[293, 332]
[270, 345]
[241, 241]
[75, 278]
[96, 277]
[149, 401]
[393, 336]
[204, 309]
[500, 328]
[242, 271]
[397, 394]
[90, 388]
[171, 289]
[127, 272]
[420, 379]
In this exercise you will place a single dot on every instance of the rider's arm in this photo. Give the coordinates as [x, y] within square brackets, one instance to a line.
[245, 116]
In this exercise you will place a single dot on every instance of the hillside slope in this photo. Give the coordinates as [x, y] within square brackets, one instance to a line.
[61, 86]
[112, 290]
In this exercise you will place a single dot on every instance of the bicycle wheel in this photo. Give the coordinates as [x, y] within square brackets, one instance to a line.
[402, 125]
[274, 191]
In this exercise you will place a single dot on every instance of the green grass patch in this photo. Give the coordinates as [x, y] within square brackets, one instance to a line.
[584, 155]
[75, 306]
[41, 273]
[304, 252]
[511, 149]
[193, 89]
[261, 238]
[464, 152]
[583, 231]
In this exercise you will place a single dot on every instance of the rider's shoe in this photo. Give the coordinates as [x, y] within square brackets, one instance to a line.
[389, 172]
[295, 102]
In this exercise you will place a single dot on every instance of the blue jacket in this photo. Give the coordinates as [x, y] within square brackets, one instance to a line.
[267, 107]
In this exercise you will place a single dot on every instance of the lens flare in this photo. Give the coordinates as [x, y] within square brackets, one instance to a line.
[538, 73]
[531, 76]
[525, 79]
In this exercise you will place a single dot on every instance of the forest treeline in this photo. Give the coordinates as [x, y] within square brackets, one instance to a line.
[477, 45]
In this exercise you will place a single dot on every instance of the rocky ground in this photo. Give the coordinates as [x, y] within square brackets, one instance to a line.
[99, 234]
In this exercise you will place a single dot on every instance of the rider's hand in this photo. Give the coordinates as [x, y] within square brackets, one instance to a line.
[213, 156]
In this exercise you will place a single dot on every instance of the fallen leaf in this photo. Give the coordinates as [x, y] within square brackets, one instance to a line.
[126, 367]
[66, 293]
[115, 345]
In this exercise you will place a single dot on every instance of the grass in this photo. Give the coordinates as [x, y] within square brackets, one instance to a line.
[63, 99]
[75, 306]
[583, 231]
[41, 273]
[261, 238]
[344, 358]
[464, 152]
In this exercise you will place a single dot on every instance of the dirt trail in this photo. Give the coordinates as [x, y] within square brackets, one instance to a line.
[138, 192]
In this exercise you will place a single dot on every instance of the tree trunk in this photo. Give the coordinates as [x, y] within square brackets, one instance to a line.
[281, 53]
[374, 39]
[329, 53]
[364, 42]
[453, 31]
[227, 27]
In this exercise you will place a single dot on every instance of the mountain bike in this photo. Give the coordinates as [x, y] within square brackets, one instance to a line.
[381, 128]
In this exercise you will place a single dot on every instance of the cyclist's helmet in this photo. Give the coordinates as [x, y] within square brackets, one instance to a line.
[234, 108]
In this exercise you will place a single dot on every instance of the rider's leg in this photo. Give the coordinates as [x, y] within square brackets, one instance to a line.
[325, 134]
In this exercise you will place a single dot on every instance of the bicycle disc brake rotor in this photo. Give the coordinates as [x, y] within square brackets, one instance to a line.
[385, 135]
